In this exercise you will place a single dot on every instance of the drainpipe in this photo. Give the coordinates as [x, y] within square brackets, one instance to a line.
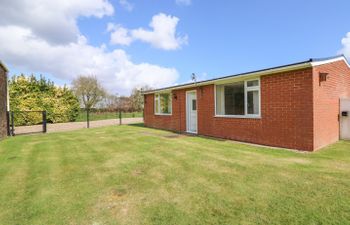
[179, 102]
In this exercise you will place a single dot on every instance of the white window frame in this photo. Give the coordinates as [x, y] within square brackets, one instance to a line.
[157, 95]
[246, 90]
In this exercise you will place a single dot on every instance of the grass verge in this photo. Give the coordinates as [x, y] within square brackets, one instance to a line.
[136, 175]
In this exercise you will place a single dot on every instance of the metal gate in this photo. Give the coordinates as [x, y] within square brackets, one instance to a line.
[345, 119]
[26, 122]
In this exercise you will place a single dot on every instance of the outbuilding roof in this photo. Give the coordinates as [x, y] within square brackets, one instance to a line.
[288, 67]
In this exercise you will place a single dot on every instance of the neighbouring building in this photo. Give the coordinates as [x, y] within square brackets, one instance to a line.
[302, 106]
[3, 100]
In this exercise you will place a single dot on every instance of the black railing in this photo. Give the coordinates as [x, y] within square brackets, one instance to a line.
[32, 119]
[94, 115]
[27, 122]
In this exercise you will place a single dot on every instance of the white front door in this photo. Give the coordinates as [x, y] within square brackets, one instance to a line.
[345, 119]
[191, 111]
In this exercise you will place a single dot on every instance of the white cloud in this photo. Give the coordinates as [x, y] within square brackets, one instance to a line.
[346, 46]
[120, 35]
[54, 20]
[126, 5]
[48, 41]
[114, 69]
[183, 2]
[163, 34]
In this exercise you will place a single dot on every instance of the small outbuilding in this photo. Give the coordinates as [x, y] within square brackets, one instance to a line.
[302, 106]
[3, 100]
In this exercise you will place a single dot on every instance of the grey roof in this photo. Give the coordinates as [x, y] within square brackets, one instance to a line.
[311, 60]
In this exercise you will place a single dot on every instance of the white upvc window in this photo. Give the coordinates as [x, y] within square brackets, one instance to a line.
[238, 99]
[162, 104]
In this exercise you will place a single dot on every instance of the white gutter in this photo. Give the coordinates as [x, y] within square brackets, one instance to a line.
[330, 61]
[301, 65]
[219, 80]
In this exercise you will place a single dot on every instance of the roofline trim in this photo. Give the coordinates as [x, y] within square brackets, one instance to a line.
[301, 65]
[322, 62]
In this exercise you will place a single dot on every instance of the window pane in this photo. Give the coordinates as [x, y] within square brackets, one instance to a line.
[170, 105]
[253, 83]
[194, 104]
[253, 102]
[156, 103]
[220, 109]
[234, 99]
[165, 103]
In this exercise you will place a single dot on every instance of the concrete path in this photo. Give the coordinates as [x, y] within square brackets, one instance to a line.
[58, 127]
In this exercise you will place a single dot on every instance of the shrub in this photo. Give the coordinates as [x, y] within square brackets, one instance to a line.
[32, 94]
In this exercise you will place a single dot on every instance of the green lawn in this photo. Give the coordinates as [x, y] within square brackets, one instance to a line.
[94, 116]
[136, 175]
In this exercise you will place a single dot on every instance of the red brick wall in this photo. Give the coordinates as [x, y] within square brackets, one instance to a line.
[3, 103]
[286, 113]
[326, 101]
[175, 122]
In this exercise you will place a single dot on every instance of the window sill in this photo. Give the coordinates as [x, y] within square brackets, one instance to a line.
[163, 114]
[239, 117]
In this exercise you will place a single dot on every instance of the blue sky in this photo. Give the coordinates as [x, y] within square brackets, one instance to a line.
[214, 39]
[237, 36]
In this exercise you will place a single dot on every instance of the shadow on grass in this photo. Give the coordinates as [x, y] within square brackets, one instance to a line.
[137, 125]
[27, 133]
[176, 133]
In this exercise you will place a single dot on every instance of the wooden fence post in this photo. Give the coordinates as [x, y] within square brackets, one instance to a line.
[8, 123]
[12, 124]
[44, 122]
[88, 117]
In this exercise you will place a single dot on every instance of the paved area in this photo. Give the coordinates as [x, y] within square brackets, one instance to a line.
[59, 127]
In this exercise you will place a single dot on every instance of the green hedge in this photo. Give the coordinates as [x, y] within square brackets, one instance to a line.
[27, 93]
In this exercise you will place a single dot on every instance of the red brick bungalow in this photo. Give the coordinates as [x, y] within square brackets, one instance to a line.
[294, 106]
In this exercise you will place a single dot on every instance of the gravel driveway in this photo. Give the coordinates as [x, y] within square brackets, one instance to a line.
[58, 127]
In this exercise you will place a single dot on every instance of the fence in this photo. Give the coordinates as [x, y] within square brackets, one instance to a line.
[26, 122]
[102, 114]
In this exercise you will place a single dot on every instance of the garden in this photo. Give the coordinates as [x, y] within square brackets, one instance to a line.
[135, 175]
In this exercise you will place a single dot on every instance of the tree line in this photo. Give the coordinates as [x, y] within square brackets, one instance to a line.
[63, 104]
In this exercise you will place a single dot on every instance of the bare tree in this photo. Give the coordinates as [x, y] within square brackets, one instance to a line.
[136, 98]
[124, 104]
[89, 91]
[110, 102]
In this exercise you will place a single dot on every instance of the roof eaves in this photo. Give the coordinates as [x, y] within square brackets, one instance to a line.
[322, 61]
[3, 66]
[270, 70]
[327, 58]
